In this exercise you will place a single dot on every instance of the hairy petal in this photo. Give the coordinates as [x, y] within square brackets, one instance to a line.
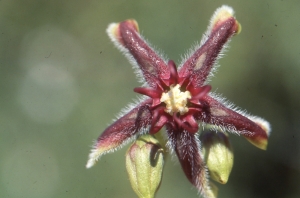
[199, 65]
[254, 129]
[187, 148]
[126, 37]
[122, 130]
[265, 126]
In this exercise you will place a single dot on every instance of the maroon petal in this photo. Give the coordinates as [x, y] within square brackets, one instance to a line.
[254, 129]
[126, 35]
[173, 73]
[199, 64]
[187, 122]
[190, 124]
[187, 148]
[152, 93]
[121, 131]
[198, 93]
[159, 119]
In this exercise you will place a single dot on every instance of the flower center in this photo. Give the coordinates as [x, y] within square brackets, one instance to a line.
[176, 100]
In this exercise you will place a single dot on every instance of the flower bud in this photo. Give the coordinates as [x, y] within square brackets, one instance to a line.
[144, 164]
[218, 155]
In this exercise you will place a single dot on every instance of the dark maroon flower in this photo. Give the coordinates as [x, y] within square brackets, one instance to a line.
[178, 98]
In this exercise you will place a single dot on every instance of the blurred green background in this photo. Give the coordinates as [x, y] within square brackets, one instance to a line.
[62, 82]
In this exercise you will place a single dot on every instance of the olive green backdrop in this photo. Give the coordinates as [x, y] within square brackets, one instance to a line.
[62, 82]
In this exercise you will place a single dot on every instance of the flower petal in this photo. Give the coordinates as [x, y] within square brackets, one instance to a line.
[187, 148]
[259, 142]
[254, 129]
[159, 119]
[121, 131]
[199, 63]
[125, 36]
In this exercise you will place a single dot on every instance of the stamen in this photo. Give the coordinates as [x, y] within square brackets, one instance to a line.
[176, 100]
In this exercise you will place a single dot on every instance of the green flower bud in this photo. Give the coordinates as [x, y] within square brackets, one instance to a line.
[144, 164]
[218, 155]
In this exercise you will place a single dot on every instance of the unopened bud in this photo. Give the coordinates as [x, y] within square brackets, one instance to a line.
[218, 155]
[144, 164]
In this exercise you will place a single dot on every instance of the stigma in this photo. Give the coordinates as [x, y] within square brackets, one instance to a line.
[176, 100]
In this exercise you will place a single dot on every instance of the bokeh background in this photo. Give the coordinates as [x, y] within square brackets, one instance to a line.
[62, 82]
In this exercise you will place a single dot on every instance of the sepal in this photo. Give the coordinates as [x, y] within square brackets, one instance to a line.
[200, 63]
[121, 131]
[225, 118]
[148, 64]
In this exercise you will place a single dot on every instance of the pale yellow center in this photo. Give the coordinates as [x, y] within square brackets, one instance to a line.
[175, 100]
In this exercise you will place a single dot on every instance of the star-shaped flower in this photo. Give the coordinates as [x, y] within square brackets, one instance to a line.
[178, 98]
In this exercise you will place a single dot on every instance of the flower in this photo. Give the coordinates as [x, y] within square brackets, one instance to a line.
[179, 98]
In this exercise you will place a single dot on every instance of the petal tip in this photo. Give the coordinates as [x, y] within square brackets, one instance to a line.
[93, 158]
[239, 28]
[112, 31]
[260, 141]
[265, 125]
[90, 163]
[113, 28]
[133, 24]
[222, 14]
